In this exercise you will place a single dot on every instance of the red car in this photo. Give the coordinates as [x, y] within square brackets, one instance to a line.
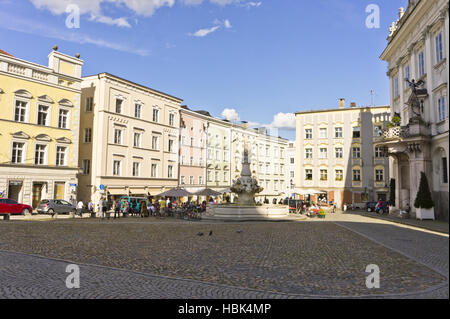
[10, 206]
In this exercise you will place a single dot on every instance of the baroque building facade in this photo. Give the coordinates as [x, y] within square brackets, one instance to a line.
[130, 139]
[39, 128]
[417, 57]
[336, 159]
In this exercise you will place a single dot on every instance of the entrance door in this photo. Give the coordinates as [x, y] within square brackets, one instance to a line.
[37, 194]
[15, 190]
[59, 190]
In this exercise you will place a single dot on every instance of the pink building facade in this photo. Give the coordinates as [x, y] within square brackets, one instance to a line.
[193, 128]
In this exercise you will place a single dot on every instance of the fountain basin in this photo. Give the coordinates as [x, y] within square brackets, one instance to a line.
[241, 213]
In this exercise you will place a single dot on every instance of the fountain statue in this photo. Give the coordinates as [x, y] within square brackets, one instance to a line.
[245, 186]
[246, 209]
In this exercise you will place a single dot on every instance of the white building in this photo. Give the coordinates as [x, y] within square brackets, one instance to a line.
[418, 49]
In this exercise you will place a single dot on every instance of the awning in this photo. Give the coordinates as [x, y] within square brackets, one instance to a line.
[117, 191]
[176, 192]
[207, 192]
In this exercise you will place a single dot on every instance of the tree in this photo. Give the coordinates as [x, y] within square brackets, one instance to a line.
[423, 198]
[392, 192]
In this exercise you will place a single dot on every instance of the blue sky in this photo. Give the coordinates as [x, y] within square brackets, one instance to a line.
[255, 58]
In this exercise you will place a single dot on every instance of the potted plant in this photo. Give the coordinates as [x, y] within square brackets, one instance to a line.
[396, 120]
[321, 213]
[424, 203]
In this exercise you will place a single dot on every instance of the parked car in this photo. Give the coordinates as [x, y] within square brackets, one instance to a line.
[370, 206]
[55, 206]
[10, 206]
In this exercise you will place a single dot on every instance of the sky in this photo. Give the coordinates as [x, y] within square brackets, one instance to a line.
[258, 61]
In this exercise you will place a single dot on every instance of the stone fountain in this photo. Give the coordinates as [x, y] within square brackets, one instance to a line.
[245, 187]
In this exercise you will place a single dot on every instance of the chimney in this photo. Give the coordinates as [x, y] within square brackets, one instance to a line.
[244, 124]
[341, 103]
[353, 104]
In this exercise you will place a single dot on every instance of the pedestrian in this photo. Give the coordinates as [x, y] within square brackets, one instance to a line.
[99, 208]
[91, 207]
[143, 210]
[117, 207]
[105, 208]
[80, 207]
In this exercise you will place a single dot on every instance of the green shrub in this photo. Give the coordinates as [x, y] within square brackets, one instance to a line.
[423, 198]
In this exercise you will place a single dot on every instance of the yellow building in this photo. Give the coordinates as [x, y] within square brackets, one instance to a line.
[39, 127]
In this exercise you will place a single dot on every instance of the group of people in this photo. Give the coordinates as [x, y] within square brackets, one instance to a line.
[102, 207]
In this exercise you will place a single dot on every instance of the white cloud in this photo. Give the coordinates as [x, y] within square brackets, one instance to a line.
[284, 121]
[120, 22]
[230, 115]
[227, 24]
[224, 2]
[252, 4]
[204, 32]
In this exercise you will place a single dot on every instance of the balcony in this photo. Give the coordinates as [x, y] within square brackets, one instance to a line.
[415, 128]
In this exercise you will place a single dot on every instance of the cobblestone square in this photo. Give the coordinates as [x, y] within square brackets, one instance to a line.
[150, 258]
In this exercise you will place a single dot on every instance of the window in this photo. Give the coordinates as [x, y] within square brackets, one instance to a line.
[218, 155]
[339, 175]
[171, 119]
[379, 175]
[308, 134]
[117, 136]
[20, 111]
[439, 52]
[323, 133]
[356, 152]
[170, 146]
[62, 119]
[43, 115]
[378, 130]
[117, 168]
[154, 170]
[421, 64]
[308, 153]
[338, 132]
[356, 175]
[17, 152]
[39, 154]
[407, 75]
[396, 90]
[170, 171]
[356, 132]
[191, 180]
[323, 174]
[61, 155]
[191, 161]
[87, 135]
[137, 139]
[136, 169]
[192, 141]
[444, 170]
[308, 175]
[183, 180]
[378, 152]
[119, 103]
[200, 161]
[339, 152]
[292, 160]
[209, 176]
[200, 180]
[292, 174]
[323, 153]
[86, 166]
[441, 108]
[155, 143]
[137, 110]
[183, 140]
[183, 159]
[155, 115]
[89, 104]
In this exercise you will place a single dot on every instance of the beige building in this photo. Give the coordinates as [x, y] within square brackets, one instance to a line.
[129, 141]
[336, 159]
[418, 49]
[39, 128]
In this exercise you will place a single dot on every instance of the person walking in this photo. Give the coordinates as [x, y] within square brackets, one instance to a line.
[117, 207]
[100, 208]
[104, 208]
[80, 207]
[91, 208]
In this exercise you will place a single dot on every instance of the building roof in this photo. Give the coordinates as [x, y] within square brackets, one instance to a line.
[359, 108]
[5, 53]
[133, 83]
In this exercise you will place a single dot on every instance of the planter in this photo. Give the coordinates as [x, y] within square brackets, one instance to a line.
[321, 216]
[423, 213]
